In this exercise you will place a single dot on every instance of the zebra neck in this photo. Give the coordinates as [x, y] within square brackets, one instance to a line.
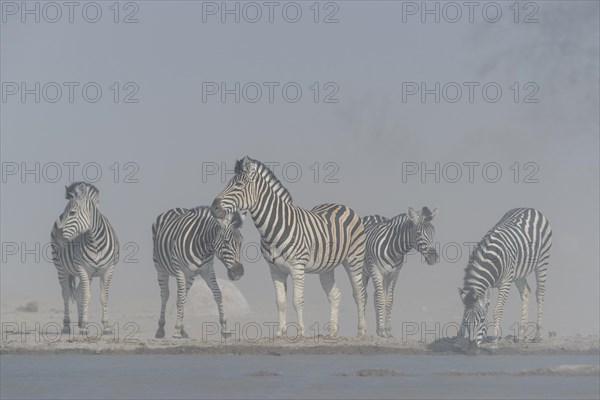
[403, 243]
[97, 230]
[205, 245]
[269, 208]
[481, 274]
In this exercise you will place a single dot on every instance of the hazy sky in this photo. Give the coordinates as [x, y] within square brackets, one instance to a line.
[156, 153]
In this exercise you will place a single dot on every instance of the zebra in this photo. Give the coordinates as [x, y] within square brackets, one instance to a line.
[185, 243]
[84, 245]
[516, 246]
[296, 241]
[388, 240]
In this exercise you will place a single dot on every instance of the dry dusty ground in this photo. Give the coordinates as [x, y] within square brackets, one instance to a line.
[39, 333]
[305, 346]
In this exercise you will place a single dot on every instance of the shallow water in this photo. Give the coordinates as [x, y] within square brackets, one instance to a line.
[222, 376]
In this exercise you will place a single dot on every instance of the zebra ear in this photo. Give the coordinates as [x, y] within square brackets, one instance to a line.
[487, 296]
[81, 190]
[412, 214]
[238, 166]
[434, 213]
[462, 293]
[249, 166]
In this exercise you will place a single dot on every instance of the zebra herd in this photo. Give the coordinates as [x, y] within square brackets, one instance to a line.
[297, 241]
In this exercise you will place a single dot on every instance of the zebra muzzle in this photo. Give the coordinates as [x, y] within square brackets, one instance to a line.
[431, 256]
[236, 271]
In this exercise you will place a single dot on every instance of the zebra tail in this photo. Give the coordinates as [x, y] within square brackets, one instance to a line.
[72, 287]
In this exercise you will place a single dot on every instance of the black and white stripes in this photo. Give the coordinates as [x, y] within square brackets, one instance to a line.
[297, 241]
[388, 241]
[185, 243]
[84, 245]
[516, 246]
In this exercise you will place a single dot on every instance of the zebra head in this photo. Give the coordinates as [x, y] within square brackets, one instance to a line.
[242, 190]
[476, 308]
[422, 233]
[80, 210]
[228, 244]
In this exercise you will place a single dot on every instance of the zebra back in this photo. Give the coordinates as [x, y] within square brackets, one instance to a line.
[524, 235]
[372, 220]
[183, 233]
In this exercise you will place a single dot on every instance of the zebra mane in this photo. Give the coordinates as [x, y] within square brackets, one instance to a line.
[401, 217]
[201, 210]
[268, 176]
[471, 269]
[372, 220]
[92, 191]
[205, 211]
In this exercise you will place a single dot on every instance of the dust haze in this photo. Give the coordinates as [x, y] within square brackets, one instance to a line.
[172, 146]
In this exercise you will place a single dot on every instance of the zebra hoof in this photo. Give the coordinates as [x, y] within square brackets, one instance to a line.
[160, 333]
[181, 335]
[225, 334]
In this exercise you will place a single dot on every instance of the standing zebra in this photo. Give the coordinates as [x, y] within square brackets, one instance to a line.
[185, 243]
[388, 240]
[297, 241]
[84, 245]
[516, 246]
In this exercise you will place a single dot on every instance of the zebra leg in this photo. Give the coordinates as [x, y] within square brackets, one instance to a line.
[298, 298]
[163, 282]
[208, 274]
[540, 276]
[378, 286]
[389, 301]
[84, 299]
[365, 279]
[104, 284]
[280, 284]
[65, 285]
[524, 291]
[503, 292]
[181, 297]
[333, 295]
[354, 269]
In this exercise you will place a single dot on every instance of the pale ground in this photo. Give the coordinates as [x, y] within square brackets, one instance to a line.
[36, 328]
[39, 333]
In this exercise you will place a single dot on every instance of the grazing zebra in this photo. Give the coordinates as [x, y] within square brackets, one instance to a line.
[84, 245]
[297, 241]
[516, 246]
[185, 243]
[388, 240]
